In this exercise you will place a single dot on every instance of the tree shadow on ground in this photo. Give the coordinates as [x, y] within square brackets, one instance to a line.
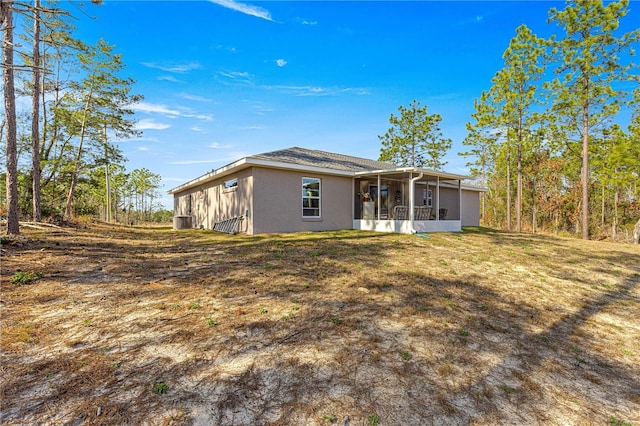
[409, 345]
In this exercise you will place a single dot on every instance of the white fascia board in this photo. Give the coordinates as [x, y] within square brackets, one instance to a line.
[212, 175]
[385, 171]
[443, 175]
[464, 187]
[426, 172]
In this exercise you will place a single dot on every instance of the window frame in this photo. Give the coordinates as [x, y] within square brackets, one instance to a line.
[230, 185]
[311, 197]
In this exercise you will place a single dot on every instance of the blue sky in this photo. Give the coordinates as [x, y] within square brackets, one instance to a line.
[224, 79]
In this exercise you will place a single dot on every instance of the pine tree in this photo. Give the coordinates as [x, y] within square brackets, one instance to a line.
[588, 63]
[514, 93]
[482, 138]
[6, 15]
[415, 139]
[101, 99]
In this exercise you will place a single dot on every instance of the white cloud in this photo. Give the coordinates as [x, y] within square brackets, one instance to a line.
[187, 162]
[203, 117]
[169, 78]
[261, 109]
[158, 108]
[169, 112]
[319, 91]
[300, 90]
[225, 48]
[147, 124]
[173, 68]
[235, 74]
[247, 9]
[216, 145]
[281, 63]
[251, 127]
[197, 129]
[235, 78]
[148, 139]
[196, 98]
[245, 78]
[144, 149]
[175, 179]
[141, 139]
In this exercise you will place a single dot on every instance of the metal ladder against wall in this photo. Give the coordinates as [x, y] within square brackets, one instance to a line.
[229, 226]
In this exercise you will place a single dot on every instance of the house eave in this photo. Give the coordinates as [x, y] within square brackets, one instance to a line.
[246, 162]
[252, 161]
[212, 175]
[426, 172]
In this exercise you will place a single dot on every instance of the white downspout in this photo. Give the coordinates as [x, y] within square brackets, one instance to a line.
[460, 201]
[378, 197]
[438, 198]
[412, 194]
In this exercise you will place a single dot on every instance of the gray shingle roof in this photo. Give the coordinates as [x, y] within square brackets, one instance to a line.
[328, 160]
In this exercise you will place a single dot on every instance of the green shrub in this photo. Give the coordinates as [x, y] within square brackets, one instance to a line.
[23, 278]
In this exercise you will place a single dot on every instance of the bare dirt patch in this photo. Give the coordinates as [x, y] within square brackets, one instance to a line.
[142, 325]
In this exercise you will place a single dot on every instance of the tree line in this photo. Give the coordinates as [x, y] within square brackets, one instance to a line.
[61, 156]
[550, 126]
[546, 138]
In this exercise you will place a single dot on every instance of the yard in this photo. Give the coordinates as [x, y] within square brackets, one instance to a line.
[115, 325]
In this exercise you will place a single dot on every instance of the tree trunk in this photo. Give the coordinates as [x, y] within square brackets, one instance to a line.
[68, 209]
[519, 171]
[13, 224]
[602, 213]
[616, 199]
[533, 208]
[484, 185]
[585, 166]
[107, 178]
[508, 189]
[74, 177]
[35, 111]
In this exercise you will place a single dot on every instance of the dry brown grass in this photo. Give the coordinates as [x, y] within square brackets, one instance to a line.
[484, 327]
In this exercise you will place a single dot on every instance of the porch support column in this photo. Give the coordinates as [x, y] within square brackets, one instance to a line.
[379, 196]
[437, 198]
[412, 196]
[460, 200]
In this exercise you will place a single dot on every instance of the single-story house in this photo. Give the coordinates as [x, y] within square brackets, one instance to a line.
[298, 189]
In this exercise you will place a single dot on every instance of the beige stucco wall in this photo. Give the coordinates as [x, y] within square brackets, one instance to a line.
[277, 201]
[271, 200]
[450, 200]
[470, 205]
[211, 203]
[470, 208]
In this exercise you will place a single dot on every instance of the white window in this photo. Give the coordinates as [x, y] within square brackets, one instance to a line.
[310, 197]
[427, 196]
[231, 185]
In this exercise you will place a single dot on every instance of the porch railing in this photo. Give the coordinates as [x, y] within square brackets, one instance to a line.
[419, 213]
